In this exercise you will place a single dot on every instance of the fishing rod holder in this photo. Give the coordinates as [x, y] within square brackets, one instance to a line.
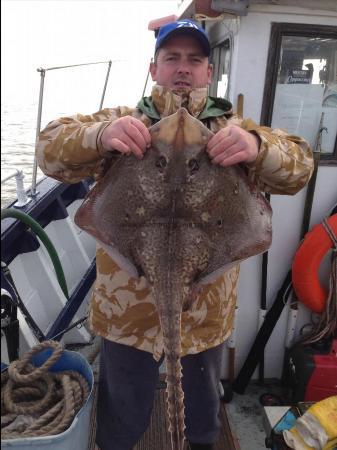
[21, 194]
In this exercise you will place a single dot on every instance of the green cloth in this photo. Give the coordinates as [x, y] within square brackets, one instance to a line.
[214, 107]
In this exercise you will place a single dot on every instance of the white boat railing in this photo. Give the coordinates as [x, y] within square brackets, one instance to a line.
[43, 71]
[21, 194]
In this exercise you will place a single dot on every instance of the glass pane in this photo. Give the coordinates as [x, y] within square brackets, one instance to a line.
[221, 67]
[306, 92]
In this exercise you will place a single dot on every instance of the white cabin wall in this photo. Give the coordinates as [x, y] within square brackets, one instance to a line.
[248, 68]
[252, 44]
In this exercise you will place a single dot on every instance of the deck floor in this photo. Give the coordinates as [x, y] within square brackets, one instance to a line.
[157, 437]
[241, 419]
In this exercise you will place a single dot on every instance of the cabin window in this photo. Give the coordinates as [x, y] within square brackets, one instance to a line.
[221, 69]
[301, 85]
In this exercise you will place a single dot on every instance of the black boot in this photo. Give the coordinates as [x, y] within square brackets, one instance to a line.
[201, 446]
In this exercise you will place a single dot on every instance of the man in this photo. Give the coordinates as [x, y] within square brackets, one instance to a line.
[122, 309]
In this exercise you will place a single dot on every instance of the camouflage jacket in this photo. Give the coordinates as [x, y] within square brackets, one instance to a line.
[122, 308]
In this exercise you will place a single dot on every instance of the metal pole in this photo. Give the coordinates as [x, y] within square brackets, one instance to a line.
[105, 84]
[33, 192]
[42, 71]
[312, 183]
[74, 65]
[147, 78]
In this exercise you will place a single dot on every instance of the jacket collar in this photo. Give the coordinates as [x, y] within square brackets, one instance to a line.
[164, 102]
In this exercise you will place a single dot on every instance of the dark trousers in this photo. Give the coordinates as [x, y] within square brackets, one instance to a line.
[127, 382]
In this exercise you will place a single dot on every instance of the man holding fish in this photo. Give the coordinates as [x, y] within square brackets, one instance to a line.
[123, 311]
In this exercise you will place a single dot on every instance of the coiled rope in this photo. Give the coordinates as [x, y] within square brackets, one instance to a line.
[35, 402]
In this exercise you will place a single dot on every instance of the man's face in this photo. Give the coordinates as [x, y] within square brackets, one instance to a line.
[181, 64]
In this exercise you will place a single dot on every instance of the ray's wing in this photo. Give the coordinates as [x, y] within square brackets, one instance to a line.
[239, 222]
[102, 213]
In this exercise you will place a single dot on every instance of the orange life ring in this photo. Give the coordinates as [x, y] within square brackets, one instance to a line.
[306, 263]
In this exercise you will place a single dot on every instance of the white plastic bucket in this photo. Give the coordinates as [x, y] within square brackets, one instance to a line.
[76, 437]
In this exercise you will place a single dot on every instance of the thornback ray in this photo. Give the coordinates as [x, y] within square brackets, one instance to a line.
[179, 220]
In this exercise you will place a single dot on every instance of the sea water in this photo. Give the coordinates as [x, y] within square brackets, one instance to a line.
[17, 146]
[65, 94]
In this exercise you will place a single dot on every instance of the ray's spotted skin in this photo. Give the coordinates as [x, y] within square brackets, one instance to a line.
[179, 220]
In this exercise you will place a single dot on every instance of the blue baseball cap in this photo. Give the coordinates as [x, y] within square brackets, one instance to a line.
[184, 27]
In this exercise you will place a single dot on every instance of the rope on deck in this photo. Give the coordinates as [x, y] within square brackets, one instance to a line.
[35, 402]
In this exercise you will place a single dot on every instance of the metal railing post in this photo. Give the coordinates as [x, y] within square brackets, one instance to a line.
[105, 84]
[147, 79]
[42, 71]
[33, 192]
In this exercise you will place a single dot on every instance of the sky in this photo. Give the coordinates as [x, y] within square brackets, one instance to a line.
[50, 33]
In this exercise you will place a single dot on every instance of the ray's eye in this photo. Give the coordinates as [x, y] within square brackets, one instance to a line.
[161, 163]
[193, 165]
[219, 222]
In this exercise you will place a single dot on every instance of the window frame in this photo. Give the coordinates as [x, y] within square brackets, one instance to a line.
[223, 44]
[278, 30]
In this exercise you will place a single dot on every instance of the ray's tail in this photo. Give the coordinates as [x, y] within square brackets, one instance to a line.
[175, 400]
[169, 308]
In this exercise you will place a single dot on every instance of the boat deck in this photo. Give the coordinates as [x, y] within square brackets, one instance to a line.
[157, 437]
[241, 419]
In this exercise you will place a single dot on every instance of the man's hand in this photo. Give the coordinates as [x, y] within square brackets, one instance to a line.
[126, 135]
[232, 145]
